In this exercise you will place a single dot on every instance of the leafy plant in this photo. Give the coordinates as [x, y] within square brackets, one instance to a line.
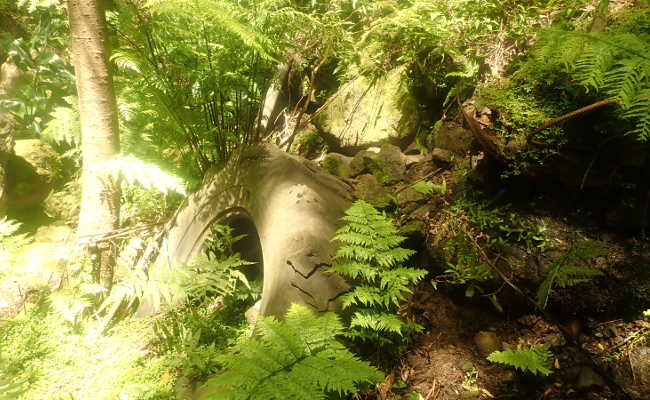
[613, 65]
[537, 360]
[11, 243]
[428, 188]
[296, 359]
[564, 273]
[370, 256]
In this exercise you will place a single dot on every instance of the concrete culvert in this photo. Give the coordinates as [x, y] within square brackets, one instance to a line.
[288, 207]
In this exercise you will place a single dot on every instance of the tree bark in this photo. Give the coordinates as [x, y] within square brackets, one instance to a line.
[9, 75]
[100, 194]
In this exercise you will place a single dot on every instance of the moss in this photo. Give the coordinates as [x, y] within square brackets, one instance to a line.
[518, 111]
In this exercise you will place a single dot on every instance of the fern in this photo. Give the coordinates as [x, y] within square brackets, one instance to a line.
[11, 243]
[64, 127]
[565, 274]
[617, 66]
[169, 284]
[222, 12]
[148, 175]
[537, 360]
[371, 258]
[298, 359]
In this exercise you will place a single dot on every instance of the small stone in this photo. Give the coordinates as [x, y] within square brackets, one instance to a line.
[338, 165]
[487, 343]
[252, 313]
[466, 365]
[443, 157]
[370, 189]
[587, 378]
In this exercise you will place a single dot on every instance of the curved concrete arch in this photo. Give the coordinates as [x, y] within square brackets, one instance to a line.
[295, 207]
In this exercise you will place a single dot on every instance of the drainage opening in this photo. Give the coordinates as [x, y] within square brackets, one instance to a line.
[237, 235]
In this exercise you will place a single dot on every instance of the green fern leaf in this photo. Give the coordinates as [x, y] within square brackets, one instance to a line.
[298, 359]
[537, 360]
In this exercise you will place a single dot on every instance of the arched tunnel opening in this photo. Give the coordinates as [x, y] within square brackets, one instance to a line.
[249, 247]
[237, 234]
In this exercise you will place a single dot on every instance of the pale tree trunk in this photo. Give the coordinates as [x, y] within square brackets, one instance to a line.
[9, 75]
[100, 195]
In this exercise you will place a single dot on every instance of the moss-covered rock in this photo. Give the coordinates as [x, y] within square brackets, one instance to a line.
[338, 165]
[43, 158]
[33, 171]
[370, 189]
[454, 138]
[363, 112]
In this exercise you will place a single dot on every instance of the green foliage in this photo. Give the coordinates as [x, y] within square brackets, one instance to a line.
[64, 128]
[171, 285]
[298, 359]
[370, 256]
[133, 170]
[428, 188]
[566, 273]
[11, 243]
[537, 360]
[612, 65]
[47, 77]
[502, 225]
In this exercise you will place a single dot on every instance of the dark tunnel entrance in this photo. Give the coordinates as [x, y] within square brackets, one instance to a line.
[236, 234]
[249, 247]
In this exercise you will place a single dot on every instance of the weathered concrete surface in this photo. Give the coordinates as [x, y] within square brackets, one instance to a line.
[295, 207]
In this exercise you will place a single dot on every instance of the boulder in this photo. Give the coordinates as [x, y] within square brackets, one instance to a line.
[388, 163]
[43, 158]
[443, 158]
[363, 111]
[32, 172]
[370, 189]
[338, 165]
[487, 342]
[364, 161]
[453, 137]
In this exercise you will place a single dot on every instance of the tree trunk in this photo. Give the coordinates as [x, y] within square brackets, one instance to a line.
[9, 75]
[100, 194]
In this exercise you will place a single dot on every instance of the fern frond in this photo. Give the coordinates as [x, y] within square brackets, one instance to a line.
[370, 255]
[148, 175]
[564, 275]
[298, 359]
[615, 65]
[537, 360]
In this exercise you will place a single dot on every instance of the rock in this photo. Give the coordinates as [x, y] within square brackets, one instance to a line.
[252, 313]
[587, 378]
[412, 159]
[487, 342]
[54, 234]
[32, 173]
[64, 205]
[307, 142]
[42, 157]
[391, 163]
[370, 189]
[362, 112]
[443, 158]
[639, 387]
[388, 164]
[338, 165]
[454, 138]
[364, 161]
[409, 195]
